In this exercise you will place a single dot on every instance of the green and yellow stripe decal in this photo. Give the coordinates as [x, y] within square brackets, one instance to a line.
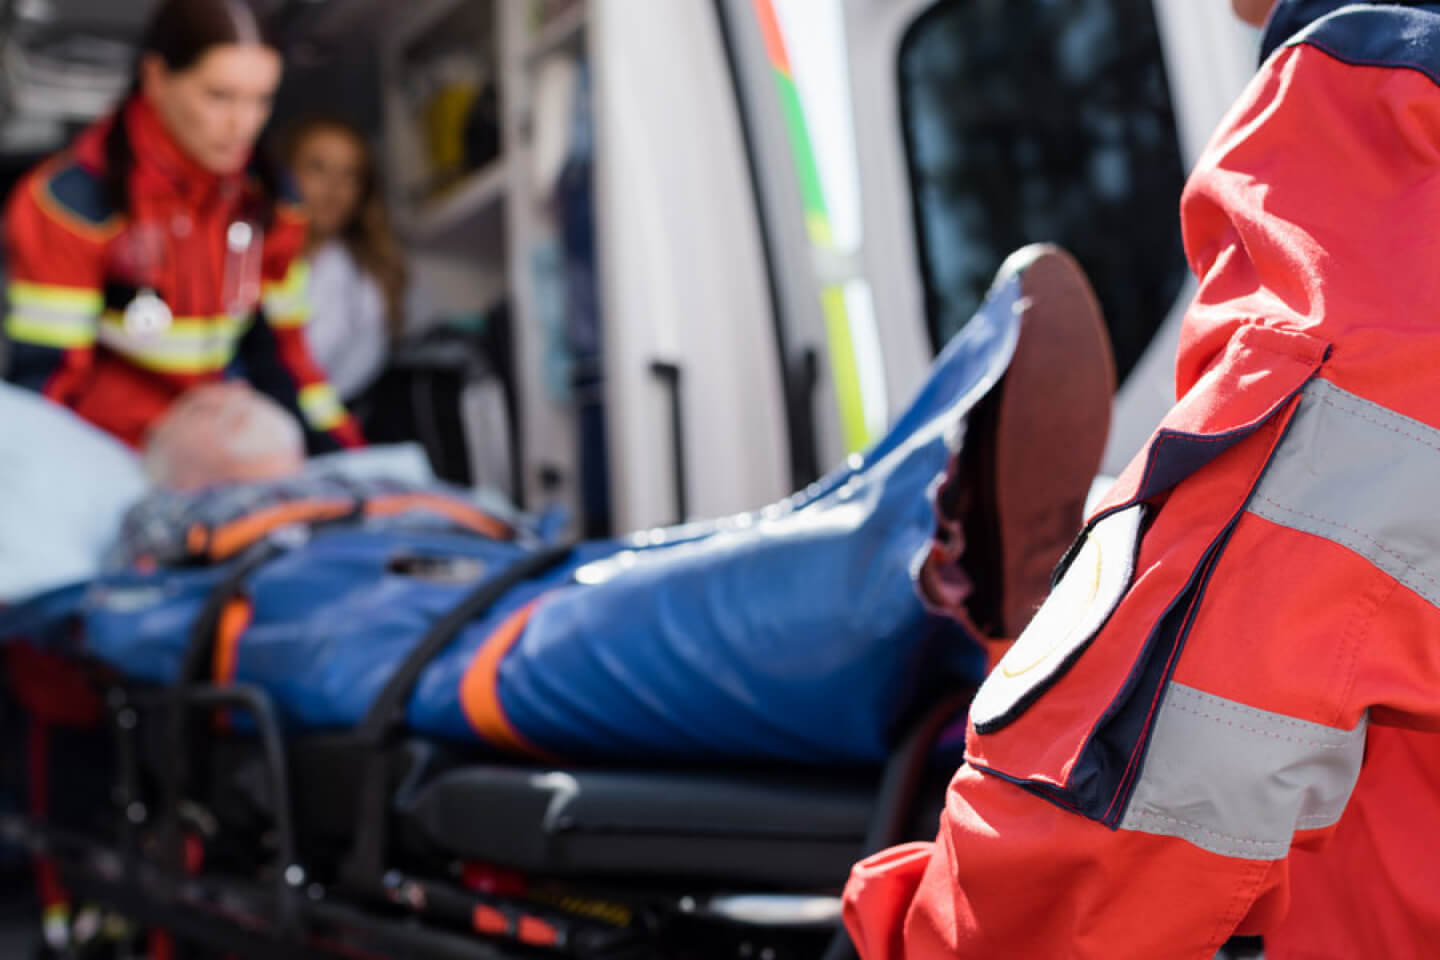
[844, 367]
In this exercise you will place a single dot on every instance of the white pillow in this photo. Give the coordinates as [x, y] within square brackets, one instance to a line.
[401, 461]
[64, 488]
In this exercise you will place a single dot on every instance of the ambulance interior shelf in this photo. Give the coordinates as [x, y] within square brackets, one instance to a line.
[452, 388]
[445, 77]
[470, 209]
[558, 26]
[464, 210]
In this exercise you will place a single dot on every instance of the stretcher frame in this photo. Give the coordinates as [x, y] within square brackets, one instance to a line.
[371, 909]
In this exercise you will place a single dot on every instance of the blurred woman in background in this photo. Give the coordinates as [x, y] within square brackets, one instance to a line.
[357, 270]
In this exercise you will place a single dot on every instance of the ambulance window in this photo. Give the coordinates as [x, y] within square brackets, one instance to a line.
[1043, 120]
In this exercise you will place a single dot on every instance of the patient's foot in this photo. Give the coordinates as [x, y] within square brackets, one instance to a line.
[1013, 499]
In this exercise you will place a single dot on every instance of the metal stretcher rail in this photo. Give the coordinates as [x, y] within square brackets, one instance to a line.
[231, 915]
[289, 916]
[262, 712]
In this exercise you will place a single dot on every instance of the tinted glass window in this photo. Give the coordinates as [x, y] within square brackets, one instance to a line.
[1031, 120]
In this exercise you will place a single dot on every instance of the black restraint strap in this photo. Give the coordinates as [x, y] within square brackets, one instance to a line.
[195, 668]
[364, 867]
[387, 713]
[198, 660]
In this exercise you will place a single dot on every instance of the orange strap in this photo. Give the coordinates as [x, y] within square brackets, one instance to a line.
[234, 620]
[462, 514]
[480, 686]
[225, 541]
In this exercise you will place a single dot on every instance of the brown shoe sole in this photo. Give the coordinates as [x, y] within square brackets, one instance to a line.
[1036, 442]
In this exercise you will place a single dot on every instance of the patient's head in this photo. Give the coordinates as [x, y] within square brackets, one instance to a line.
[223, 433]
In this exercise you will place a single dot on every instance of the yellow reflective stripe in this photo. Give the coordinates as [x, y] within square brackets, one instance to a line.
[285, 303]
[165, 359]
[76, 300]
[59, 332]
[297, 279]
[288, 321]
[45, 315]
[322, 406]
[190, 345]
[185, 328]
[287, 313]
[290, 297]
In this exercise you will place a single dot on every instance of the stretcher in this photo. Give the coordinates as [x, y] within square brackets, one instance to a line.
[670, 745]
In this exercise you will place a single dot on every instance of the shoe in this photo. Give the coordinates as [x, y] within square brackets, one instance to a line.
[1013, 498]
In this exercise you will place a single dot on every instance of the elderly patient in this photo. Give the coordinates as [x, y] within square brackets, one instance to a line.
[223, 433]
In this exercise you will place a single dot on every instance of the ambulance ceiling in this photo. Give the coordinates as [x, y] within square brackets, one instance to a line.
[62, 62]
[124, 19]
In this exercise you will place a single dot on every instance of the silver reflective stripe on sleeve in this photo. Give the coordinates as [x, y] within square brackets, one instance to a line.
[1238, 781]
[1355, 473]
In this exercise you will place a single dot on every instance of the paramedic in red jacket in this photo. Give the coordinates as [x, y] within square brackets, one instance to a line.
[1224, 718]
[159, 251]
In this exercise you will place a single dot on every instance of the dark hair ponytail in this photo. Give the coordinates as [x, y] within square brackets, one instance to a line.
[120, 156]
[180, 33]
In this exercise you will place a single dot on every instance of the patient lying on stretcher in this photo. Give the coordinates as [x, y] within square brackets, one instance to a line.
[223, 433]
[802, 633]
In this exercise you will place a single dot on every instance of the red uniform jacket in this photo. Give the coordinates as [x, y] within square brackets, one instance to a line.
[235, 289]
[1224, 718]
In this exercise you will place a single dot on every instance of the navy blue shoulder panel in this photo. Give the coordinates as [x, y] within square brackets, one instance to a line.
[1379, 35]
[1292, 16]
[80, 193]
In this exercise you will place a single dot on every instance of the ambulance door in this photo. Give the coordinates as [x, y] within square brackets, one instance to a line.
[982, 125]
[693, 389]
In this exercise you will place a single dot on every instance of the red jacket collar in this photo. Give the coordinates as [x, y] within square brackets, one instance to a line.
[160, 162]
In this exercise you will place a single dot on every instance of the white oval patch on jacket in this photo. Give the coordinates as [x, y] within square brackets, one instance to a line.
[1092, 587]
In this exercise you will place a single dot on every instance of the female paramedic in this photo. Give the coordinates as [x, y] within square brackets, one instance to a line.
[1224, 718]
[159, 251]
